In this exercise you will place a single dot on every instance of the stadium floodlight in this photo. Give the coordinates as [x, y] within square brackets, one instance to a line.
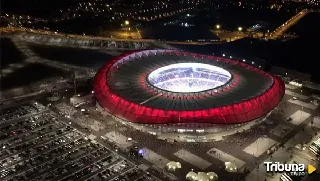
[188, 77]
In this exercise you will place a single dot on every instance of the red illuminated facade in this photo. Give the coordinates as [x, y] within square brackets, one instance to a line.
[237, 111]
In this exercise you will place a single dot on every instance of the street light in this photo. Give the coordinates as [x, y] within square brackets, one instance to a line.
[239, 28]
[218, 26]
[127, 24]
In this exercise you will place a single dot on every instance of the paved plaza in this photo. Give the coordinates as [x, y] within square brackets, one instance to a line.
[155, 158]
[316, 122]
[281, 130]
[303, 104]
[285, 154]
[225, 157]
[193, 159]
[292, 87]
[260, 146]
[295, 94]
[298, 117]
[118, 139]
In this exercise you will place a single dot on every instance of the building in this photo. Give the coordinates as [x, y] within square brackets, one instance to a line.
[172, 87]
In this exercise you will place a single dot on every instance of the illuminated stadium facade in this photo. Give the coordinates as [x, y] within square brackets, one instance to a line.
[170, 87]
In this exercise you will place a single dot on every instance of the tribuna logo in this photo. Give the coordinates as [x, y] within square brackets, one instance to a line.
[291, 169]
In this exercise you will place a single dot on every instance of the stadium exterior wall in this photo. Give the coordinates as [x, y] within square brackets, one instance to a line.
[241, 112]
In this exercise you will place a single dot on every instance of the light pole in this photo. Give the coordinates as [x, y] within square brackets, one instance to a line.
[127, 23]
[217, 28]
[74, 82]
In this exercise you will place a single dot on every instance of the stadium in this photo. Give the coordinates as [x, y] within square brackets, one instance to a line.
[170, 87]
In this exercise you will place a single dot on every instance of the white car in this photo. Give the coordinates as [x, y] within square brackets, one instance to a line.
[294, 98]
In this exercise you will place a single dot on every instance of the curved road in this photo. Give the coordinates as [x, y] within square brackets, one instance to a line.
[279, 32]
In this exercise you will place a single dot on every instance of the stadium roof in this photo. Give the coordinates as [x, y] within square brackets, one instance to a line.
[123, 82]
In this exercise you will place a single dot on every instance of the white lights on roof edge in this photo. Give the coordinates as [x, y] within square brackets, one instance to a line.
[156, 72]
[188, 77]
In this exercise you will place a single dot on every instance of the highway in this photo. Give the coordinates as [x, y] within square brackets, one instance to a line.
[279, 32]
[88, 37]
[46, 32]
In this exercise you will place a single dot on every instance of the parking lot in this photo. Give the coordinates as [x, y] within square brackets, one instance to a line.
[36, 145]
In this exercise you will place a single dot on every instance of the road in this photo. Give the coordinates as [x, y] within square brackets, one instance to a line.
[279, 32]
[44, 32]
[119, 36]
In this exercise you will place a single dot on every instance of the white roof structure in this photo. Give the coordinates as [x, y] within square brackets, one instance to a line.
[191, 176]
[202, 176]
[172, 166]
[212, 176]
[230, 167]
